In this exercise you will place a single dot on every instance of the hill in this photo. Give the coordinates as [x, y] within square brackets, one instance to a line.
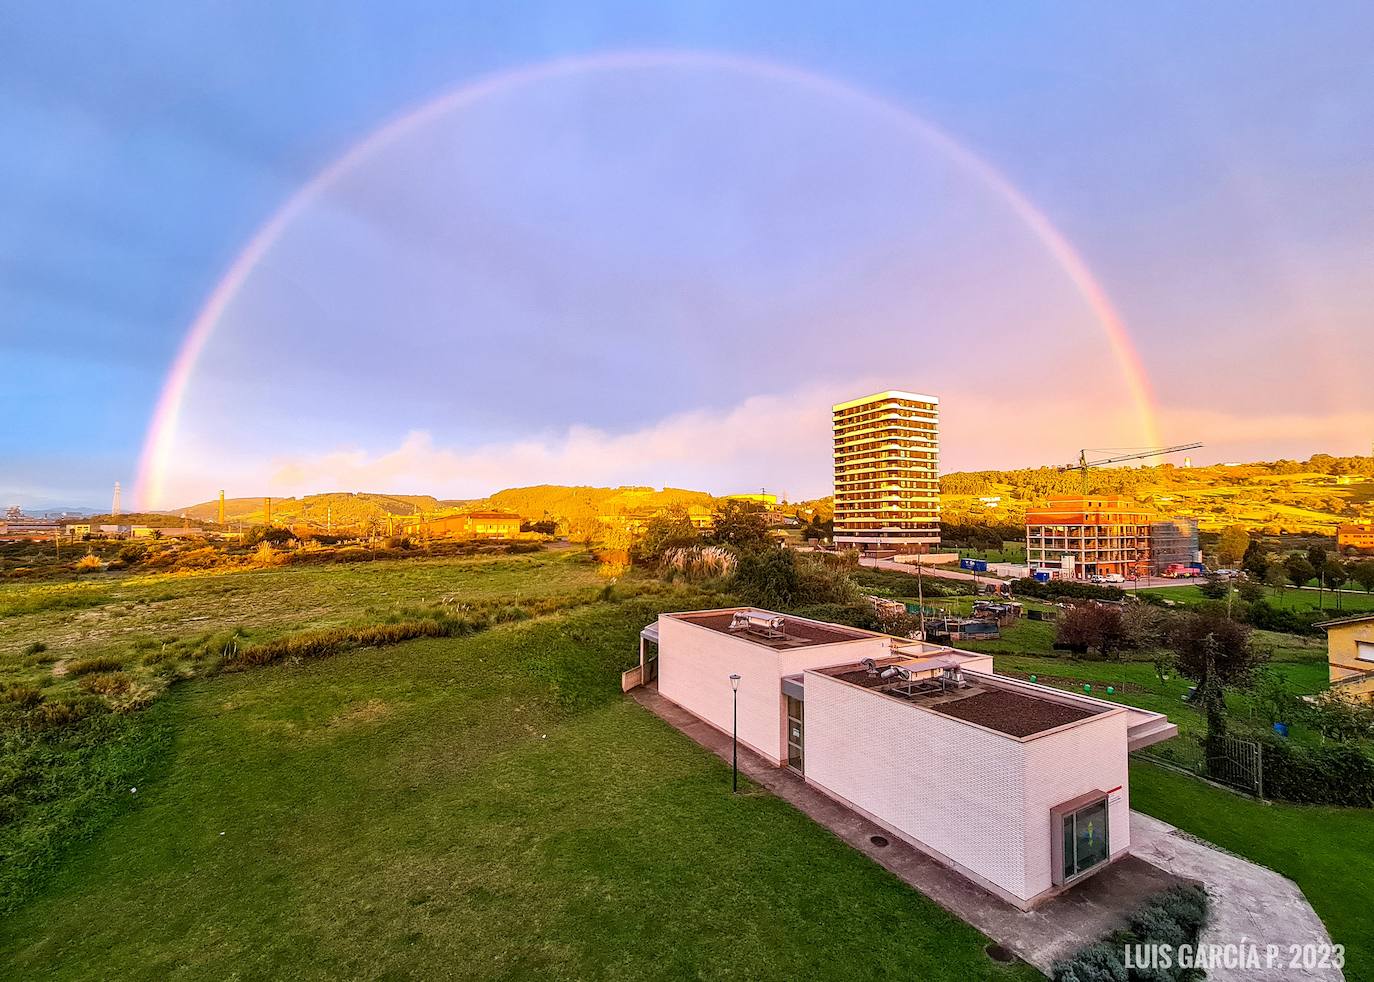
[1274, 497]
[340, 508]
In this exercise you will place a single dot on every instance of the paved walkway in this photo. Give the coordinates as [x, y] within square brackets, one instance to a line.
[1250, 903]
[1052, 931]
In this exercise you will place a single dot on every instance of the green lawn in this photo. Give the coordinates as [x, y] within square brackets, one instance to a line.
[1326, 851]
[486, 807]
[1351, 601]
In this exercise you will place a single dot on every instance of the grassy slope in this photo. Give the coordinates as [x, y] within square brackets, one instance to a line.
[485, 807]
[1324, 850]
[109, 615]
[1351, 601]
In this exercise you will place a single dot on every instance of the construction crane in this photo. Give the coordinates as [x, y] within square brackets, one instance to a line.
[1139, 454]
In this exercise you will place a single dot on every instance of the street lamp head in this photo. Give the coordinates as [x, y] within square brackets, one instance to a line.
[734, 682]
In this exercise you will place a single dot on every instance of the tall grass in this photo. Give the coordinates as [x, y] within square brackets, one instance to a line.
[60, 598]
[333, 641]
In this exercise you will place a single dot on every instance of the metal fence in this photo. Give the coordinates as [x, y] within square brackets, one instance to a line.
[1237, 762]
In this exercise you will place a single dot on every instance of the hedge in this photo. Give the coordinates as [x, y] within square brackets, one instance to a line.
[1330, 774]
[1064, 590]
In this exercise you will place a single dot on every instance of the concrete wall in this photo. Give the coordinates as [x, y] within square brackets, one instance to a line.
[977, 799]
[695, 664]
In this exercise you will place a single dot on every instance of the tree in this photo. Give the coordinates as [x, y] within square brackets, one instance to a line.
[1316, 555]
[1143, 626]
[1300, 571]
[1209, 644]
[1363, 574]
[1232, 545]
[1335, 573]
[1213, 587]
[740, 524]
[671, 530]
[1255, 561]
[1250, 591]
[1084, 627]
[1276, 576]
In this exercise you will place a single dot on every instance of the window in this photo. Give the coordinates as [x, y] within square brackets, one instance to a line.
[1082, 840]
[1364, 650]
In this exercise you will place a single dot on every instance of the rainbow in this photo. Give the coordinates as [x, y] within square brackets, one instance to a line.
[158, 442]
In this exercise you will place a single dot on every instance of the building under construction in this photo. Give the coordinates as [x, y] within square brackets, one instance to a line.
[1089, 536]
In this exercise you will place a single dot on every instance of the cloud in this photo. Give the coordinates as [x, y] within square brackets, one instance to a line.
[780, 442]
[759, 442]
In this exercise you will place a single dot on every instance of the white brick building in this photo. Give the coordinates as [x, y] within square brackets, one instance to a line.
[1021, 787]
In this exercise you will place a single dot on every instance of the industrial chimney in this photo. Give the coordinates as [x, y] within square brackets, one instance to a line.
[219, 514]
[114, 508]
[267, 511]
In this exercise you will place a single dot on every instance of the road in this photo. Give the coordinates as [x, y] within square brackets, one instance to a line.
[1144, 583]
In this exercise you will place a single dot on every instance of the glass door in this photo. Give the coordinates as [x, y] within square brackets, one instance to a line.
[1085, 839]
[795, 734]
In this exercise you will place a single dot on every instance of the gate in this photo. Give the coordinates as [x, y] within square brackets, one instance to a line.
[1240, 763]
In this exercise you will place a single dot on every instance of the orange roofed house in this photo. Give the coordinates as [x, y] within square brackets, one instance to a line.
[486, 524]
[1086, 536]
[1354, 537]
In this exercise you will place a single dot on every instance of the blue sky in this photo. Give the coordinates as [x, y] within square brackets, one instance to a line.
[664, 275]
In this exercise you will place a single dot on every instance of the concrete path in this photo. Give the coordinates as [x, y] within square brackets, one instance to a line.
[1052, 931]
[1250, 903]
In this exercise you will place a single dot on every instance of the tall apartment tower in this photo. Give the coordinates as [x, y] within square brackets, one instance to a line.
[887, 472]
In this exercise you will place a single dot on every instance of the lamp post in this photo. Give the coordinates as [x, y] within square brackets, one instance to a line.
[734, 735]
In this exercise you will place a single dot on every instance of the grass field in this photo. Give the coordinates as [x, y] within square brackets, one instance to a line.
[1324, 850]
[1351, 601]
[484, 807]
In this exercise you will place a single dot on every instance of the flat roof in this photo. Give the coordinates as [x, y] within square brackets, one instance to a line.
[888, 394]
[978, 699]
[796, 632]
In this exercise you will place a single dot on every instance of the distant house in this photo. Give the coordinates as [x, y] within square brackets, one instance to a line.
[1350, 654]
[77, 530]
[486, 524]
[1354, 537]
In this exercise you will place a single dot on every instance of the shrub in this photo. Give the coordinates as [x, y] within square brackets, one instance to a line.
[1098, 962]
[267, 556]
[35, 648]
[23, 696]
[205, 558]
[132, 554]
[780, 578]
[57, 714]
[1266, 617]
[105, 683]
[97, 663]
[1174, 917]
[88, 564]
[699, 562]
